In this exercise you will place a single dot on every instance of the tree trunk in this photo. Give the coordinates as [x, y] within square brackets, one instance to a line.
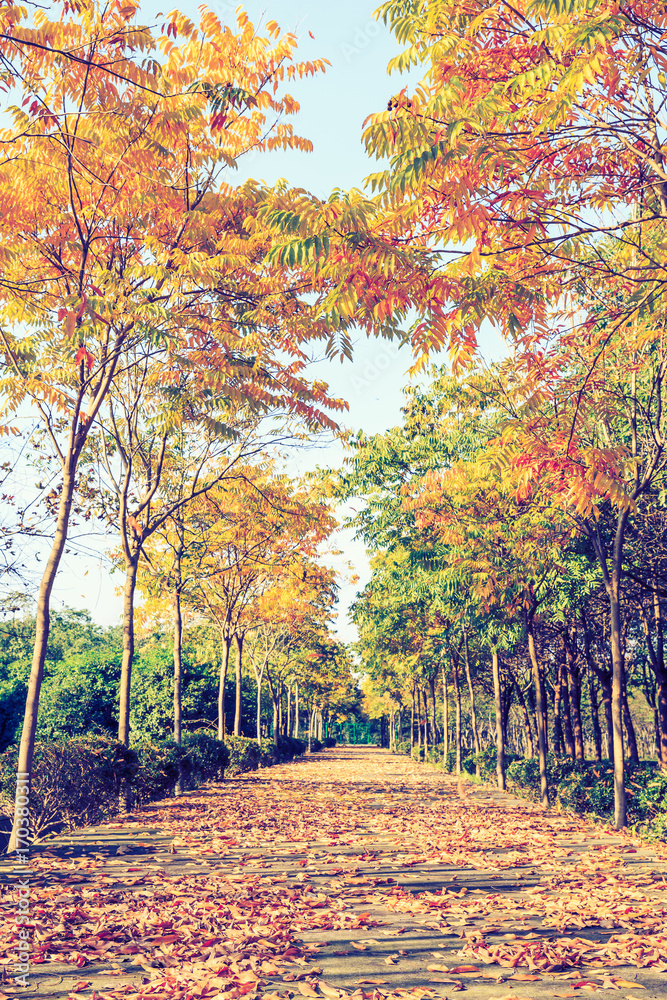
[258, 706]
[425, 697]
[280, 709]
[445, 714]
[595, 718]
[530, 746]
[574, 690]
[633, 751]
[457, 699]
[20, 836]
[434, 724]
[539, 709]
[276, 719]
[178, 682]
[473, 713]
[226, 643]
[568, 735]
[238, 681]
[500, 732]
[288, 719]
[128, 650]
[612, 581]
[412, 719]
[559, 734]
[295, 732]
[617, 707]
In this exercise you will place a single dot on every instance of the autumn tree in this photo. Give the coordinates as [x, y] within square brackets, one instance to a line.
[120, 232]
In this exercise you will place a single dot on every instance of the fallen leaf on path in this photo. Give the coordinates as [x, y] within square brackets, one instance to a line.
[306, 990]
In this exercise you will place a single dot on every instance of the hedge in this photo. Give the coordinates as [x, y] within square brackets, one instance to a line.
[77, 782]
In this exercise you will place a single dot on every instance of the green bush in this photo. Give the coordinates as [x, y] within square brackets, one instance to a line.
[589, 788]
[315, 745]
[404, 747]
[73, 783]
[330, 742]
[289, 747]
[207, 757]
[244, 754]
[468, 764]
[158, 769]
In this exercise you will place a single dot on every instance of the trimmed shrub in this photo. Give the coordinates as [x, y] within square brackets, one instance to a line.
[244, 754]
[207, 757]
[73, 783]
[315, 745]
[330, 742]
[158, 769]
[405, 747]
[289, 747]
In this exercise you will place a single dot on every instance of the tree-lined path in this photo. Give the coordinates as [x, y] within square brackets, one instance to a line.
[352, 872]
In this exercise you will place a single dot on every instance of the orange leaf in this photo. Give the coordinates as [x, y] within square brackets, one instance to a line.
[306, 990]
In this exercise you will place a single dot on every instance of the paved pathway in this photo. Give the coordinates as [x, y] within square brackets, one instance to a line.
[352, 872]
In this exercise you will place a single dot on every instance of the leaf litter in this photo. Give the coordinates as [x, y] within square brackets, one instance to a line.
[232, 929]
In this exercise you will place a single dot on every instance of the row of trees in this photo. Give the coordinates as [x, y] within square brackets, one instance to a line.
[488, 587]
[83, 669]
[143, 319]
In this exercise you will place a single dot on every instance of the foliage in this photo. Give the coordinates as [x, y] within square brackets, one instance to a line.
[246, 754]
[589, 787]
[75, 782]
[207, 757]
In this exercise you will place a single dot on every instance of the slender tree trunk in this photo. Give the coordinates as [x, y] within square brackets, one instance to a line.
[559, 735]
[425, 697]
[445, 713]
[276, 720]
[178, 681]
[432, 681]
[259, 675]
[633, 750]
[595, 718]
[20, 837]
[612, 581]
[618, 673]
[226, 643]
[500, 733]
[567, 720]
[238, 681]
[539, 705]
[288, 720]
[128, 651]
[574, 690]
[457, 699]
[473, 713]
[412, 719]
[530, 746]
[295, 732]
[661, 713]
